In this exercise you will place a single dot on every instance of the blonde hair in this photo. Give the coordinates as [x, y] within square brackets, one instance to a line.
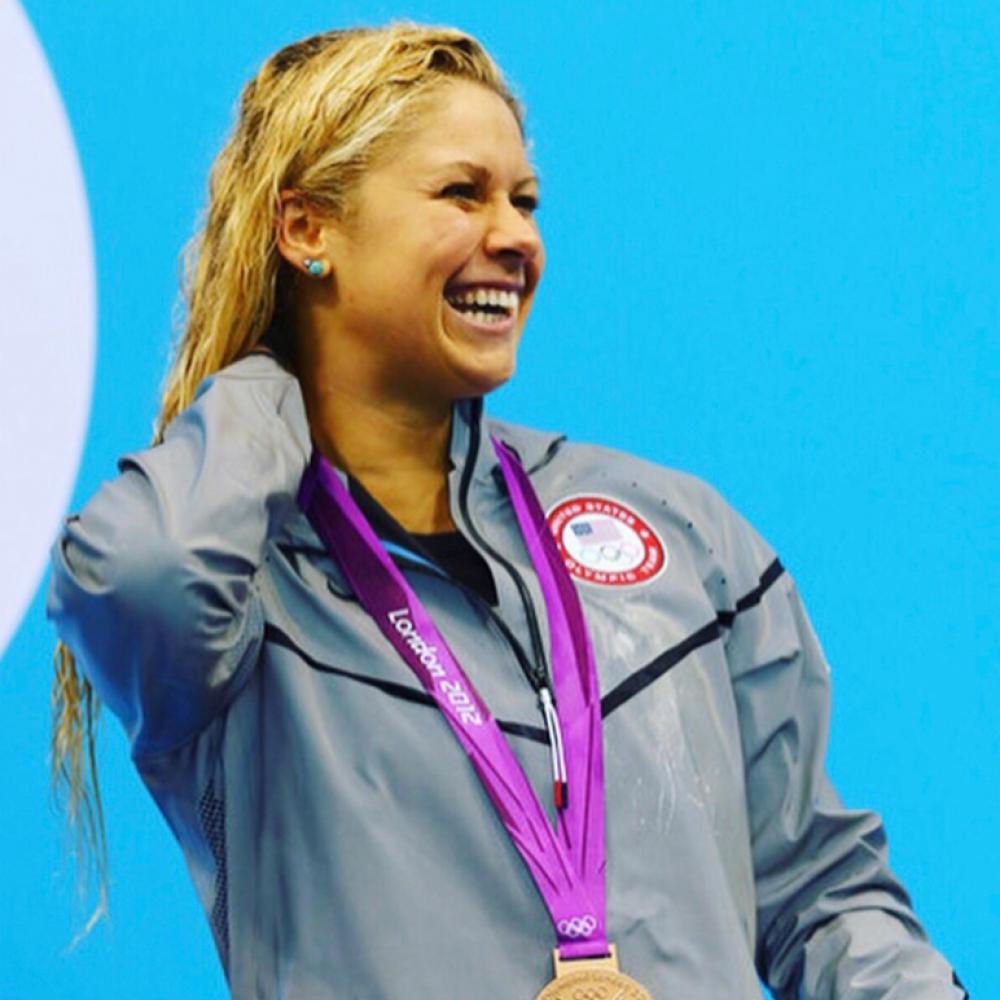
[316, 116]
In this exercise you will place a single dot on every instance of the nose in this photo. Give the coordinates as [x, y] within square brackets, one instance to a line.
[512, 233]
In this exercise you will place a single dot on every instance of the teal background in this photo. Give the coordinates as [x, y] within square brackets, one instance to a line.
[772, 238]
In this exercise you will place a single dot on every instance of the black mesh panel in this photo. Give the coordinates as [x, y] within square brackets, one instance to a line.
[212, 813]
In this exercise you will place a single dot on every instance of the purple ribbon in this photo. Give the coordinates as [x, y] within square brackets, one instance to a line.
[567, 863]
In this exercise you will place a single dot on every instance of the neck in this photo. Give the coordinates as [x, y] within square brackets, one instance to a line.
[398, 451]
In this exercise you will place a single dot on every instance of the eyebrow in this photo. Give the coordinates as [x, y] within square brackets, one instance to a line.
[480, 172]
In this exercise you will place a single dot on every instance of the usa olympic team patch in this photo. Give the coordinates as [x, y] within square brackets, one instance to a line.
[602, 541]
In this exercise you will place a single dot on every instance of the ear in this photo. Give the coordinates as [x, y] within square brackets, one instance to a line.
[301, 230]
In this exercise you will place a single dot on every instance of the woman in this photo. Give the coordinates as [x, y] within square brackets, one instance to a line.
[309, 662]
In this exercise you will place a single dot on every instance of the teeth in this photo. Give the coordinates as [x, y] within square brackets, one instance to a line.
[485, 317]
[496, 297]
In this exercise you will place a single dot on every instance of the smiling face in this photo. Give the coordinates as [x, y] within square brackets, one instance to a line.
[437, 264]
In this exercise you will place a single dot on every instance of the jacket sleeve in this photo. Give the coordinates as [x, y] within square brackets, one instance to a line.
[833, 923]
[154, 585]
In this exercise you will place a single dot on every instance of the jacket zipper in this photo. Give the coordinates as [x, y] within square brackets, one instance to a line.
[539, 675]
[546, 701]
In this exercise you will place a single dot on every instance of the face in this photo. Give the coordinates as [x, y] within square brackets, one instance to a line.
[436, 267]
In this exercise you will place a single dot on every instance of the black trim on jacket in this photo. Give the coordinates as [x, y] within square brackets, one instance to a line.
[613, 700]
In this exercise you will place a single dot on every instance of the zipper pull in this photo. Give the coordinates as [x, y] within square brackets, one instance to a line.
[560, 786]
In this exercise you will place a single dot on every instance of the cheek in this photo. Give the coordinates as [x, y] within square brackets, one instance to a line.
[449, 243]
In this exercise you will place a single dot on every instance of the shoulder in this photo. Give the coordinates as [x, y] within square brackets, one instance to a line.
[680, 506]
[555, 453]
[261, 371]
[252, 397]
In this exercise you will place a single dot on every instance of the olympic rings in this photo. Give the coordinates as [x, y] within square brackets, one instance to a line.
[578, 927]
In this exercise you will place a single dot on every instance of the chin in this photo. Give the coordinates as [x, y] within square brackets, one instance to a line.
[479, 376]
[483, 382]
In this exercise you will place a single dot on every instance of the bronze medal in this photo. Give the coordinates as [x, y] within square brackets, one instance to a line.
[592, 979]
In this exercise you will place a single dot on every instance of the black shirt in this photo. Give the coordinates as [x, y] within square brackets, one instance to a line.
[450, 551]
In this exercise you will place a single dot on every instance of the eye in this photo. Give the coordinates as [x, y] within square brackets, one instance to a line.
[525, 203]
[462, 190]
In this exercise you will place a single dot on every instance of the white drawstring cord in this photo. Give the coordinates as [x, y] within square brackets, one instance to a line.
[560, 787]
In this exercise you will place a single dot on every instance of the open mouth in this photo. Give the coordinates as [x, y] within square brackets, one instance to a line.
[485, 306]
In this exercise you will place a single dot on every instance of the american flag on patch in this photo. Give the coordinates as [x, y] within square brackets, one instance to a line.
[596, 532]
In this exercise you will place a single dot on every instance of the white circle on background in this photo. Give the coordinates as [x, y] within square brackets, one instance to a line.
[48, 331]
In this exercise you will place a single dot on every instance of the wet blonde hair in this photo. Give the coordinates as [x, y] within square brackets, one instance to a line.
[315, 117]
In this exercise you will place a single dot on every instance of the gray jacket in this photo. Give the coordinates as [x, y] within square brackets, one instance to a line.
[337, 836]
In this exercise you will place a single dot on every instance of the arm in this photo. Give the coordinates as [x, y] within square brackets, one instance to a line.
[833, 921]
[153, 584]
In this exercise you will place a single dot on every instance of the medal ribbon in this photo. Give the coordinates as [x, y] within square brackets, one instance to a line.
[567, 864]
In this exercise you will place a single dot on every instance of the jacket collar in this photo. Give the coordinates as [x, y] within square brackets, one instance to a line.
[472, 429]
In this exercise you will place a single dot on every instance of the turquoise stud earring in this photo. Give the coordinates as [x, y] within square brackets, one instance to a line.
[317, 268]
